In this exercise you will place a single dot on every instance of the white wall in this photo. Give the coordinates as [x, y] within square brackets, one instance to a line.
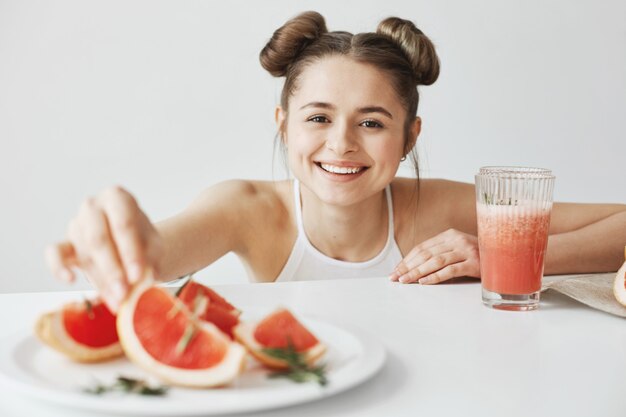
[167, 98]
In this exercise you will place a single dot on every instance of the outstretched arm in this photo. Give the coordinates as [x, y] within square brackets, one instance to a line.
[583, 238]
[586, 238]
[114, 243]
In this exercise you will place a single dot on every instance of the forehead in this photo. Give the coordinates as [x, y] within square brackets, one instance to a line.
[344, 82]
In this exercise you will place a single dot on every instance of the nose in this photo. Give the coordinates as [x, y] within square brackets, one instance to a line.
[340, 140]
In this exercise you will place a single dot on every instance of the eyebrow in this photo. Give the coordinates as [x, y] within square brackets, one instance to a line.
[366, 109]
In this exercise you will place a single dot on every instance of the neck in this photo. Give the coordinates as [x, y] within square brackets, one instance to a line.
[353, 233]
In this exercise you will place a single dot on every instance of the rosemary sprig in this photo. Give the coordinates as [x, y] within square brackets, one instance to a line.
[89, 308]
[298, 369]
[129, 386]
[489, 200]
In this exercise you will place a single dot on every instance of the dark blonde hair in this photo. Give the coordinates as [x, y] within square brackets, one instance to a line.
[397, 47]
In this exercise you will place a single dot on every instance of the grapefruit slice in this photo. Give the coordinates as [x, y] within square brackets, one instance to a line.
[159, 334]
[281, 329]
[619, 286]
[208, 305]
[83, 331]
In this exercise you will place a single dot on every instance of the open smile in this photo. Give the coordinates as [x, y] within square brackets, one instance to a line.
[343, 171]
[340, 169]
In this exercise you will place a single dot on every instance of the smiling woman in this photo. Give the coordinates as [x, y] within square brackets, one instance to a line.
[347, 117]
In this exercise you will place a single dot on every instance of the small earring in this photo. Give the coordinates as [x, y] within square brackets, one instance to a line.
[403, 158]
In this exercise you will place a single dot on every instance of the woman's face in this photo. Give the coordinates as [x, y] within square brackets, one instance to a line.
[344, 130]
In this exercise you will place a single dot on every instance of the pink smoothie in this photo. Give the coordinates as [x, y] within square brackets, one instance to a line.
[512, 242]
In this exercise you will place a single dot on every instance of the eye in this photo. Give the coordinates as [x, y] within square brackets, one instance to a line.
[371, 124]
[318, 119]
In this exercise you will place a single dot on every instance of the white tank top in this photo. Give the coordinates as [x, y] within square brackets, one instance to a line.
[307, 263]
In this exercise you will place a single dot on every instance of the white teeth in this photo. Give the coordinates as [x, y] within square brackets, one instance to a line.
[340, 170]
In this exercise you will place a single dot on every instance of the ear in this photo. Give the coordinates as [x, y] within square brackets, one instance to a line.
[414, 132]
[280, 115]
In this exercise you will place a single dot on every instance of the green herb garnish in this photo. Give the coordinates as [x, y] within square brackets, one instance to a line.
[129, 386]
[89, 308]
[489, 200]
[298, 371]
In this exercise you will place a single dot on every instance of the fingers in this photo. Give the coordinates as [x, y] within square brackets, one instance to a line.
[126, 231]
[417, 256]
[427, 245]
[112, 241]
[446, 273]
[100, 257]
[423, 265]
[448, 255]
[60, 258]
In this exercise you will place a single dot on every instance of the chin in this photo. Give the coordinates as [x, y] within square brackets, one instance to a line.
[341, 194]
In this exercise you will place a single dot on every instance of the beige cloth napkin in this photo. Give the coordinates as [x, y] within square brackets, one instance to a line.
[594, 290]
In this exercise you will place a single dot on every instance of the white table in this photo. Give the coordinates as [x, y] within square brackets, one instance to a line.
[448, 355]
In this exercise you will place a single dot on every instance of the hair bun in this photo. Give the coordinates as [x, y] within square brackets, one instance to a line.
[289, 40]
[418, 49]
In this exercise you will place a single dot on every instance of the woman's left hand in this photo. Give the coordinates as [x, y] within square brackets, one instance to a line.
[448, 255]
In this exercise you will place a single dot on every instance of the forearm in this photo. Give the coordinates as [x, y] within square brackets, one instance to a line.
[208, 229]
[597, 247]
[189, 245]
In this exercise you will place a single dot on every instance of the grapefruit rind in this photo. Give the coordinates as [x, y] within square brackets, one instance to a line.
[619, 286]
[50, 330]
[244, 333]
[215, 299]
[221, 374]
[216, 309]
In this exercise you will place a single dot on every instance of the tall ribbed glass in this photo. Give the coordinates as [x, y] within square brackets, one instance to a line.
[513, 206]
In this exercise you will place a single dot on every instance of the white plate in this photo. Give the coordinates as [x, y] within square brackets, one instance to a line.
[33, 370]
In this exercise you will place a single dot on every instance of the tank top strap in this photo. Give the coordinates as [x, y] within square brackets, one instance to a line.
[306, 262]
[298, 207]
[390, 227]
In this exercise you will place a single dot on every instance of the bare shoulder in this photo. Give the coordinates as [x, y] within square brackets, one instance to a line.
[444, 190]
[244, 198]
[247, 208]
[433, 191]
[244, 217]
[455, 202]
[441, 205]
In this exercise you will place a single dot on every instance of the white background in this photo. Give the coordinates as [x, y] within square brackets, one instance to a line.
[167, 98]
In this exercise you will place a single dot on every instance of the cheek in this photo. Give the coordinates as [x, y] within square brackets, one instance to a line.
[301, 145]
[300, 148]
[302, 141]
[387, 152]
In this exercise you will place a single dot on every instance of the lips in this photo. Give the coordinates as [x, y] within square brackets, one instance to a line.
[341, 168]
